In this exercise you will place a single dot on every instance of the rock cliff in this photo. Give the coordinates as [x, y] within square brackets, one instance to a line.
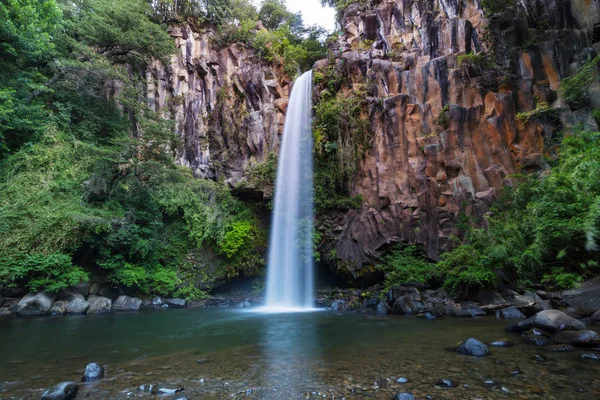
[228, 105]
[446, 128]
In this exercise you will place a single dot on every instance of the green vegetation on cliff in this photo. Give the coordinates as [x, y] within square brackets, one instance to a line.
[544, 228]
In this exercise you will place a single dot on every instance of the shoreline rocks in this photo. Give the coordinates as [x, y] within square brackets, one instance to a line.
[473, 347]
[62, 391]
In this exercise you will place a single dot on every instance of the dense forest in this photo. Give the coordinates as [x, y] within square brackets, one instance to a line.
[89, 186]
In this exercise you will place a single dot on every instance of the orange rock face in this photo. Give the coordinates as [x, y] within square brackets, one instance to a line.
[424, 171]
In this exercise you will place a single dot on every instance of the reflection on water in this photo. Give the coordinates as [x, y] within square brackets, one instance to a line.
[217, 354]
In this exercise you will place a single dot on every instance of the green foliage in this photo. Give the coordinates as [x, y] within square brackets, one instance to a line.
[596, 115]
[51, 272]
[407, 265]
[541, 109]
[543, 229]
[473, 64]
[444, 116]
[341, 5]
[492, 7]
[573, 89]
[342, 135]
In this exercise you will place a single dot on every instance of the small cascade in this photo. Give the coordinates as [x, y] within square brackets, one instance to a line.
[290, 263]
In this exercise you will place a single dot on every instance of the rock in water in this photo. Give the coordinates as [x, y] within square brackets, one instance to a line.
[35, 304]
[126, 303]
[447, 383]
[510, 313]
[99, 305]
[578, 338]
[176, 303]
[382, 308]
[338, 305]
[93, 372]
[549, 320]
[170, 391]
[502, 343]
[473, 347]
[404, 396]
[585, 299]
[590, 356]
[62, 391]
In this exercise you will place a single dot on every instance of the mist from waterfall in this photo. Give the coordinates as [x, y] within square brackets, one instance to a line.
[290, 284]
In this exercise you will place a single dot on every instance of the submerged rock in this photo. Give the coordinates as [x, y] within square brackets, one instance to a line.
[170, 391]
[404, 396]
[502, 343]
[62, 391]
[93, 372]
[473, 347]
[537, 340]
[35, 304]
[447, 383]
[99, 305]
[550, 320]
[148, 389]
[578, 338]
[126, 303]
[510, 313]
[590, 356]
[562, 348]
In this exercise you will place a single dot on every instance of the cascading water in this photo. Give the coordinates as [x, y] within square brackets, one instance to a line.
[290, 269]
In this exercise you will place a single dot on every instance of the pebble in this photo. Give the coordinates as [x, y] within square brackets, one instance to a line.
[446, 383]
[489, 382]
[505, 390]
[402, 380]
[516, 372]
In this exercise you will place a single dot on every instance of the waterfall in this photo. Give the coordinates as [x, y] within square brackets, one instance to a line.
[290, 263]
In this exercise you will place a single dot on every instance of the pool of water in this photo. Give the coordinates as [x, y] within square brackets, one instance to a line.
[219, 354]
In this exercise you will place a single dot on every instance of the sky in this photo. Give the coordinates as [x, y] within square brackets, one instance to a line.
[312, 12]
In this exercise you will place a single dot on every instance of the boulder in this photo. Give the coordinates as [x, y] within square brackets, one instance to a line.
[338, 305]
[584, 299]
[549, 320]
[473, 347]
[155, 303]
[95, 288]
[76, 303]
[510, 313]
[83, 288]
[99, 305]
[382, 308]
[93, 372]
[35, 304]
[404, 396]
[126, 303]
[59, 308]
[536, 340]
[5, 312]
[578, 338]
[62, 391]
[595, 317]
[180, 303]
[409, 305]
[562, 348]
[490, 297]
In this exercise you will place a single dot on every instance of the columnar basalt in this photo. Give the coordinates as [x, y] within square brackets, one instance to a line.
[228, 105]
[445, 126]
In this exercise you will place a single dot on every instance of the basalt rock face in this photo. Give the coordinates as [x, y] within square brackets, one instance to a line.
[228, 105]
[445, 132]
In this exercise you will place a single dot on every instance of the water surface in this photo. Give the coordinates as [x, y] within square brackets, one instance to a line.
[222, 353]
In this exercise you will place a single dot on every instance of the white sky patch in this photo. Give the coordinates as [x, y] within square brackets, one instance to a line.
[312, 12]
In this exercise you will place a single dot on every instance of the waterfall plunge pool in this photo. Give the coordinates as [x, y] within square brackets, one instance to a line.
[223, 353]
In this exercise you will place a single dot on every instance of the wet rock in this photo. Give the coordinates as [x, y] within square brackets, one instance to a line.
[155, 303]
[595, 317]
[489, 382]
[408, 304]
[126, 303]
[447, 383]
[473, 347]
[177, 303]
[62, 391]
[590, 356]
[539, 357]
[148, 389]
[584, 299]
[490, 297]
[59, 308]
[505, 390]
[562, 348]
[578, 338]
[338, 305]
[99, 305]
[502, 343]
[536, 340]
[429, 315]
[402, 380]
[93, 372]
[404, 396]
[382, 308]
[170, 391]
[76, 303]
[510, 313]
[550, 320]
[35, 304]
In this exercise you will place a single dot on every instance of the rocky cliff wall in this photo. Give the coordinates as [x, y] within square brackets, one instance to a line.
[228, 105]
[445, 132]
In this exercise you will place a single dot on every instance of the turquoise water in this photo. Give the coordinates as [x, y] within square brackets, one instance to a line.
[222, 353]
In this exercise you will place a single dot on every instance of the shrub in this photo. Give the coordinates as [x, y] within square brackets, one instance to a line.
[408, 265]
[573, 89]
